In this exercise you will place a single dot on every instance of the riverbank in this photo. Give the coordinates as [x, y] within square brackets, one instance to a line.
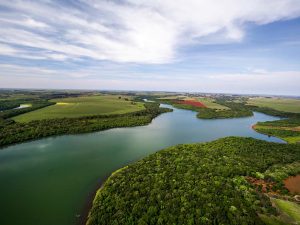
[93, 196]
[286, 129]
[20, 132]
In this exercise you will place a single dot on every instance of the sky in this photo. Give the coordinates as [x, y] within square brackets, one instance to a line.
[220, 46]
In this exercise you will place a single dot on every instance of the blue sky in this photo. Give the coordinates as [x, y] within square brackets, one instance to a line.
[233, 46]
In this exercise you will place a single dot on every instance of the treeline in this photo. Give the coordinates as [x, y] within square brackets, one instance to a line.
[293, 122]
[7, 104]
[273, 112]
[192, 184]
[18, 132]
[281, 133]
[34, 106]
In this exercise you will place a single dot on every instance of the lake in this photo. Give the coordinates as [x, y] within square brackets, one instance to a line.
[48, 181]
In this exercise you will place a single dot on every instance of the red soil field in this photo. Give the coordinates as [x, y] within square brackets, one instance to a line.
[193, 103]
[293, 184]
[266, 187]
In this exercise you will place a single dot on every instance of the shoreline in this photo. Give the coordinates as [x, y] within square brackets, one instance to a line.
[253, 128]
[92, 195]
[82, 220]
[134, 124]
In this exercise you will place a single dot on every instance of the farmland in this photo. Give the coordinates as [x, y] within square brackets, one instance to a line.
[280, 104]
[206, 101]
[287, 129]
[211, 103]
[19, 132]
[192, 103]
[68, 113]
[210, 108]
[82, 106]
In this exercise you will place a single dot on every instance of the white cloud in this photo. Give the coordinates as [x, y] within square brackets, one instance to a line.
[141, 31]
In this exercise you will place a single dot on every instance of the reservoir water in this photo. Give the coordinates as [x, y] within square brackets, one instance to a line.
[48, 181]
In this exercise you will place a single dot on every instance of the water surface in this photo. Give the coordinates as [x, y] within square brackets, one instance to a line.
[48, 181]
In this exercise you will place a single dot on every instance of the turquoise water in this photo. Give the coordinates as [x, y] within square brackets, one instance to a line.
[48, 181]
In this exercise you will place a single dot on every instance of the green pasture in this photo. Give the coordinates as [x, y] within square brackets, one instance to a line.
[82, 106]
[290, 208]
[209, 102]
[280, 104]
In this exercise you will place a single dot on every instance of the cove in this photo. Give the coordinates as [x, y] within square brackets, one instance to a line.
[48, 181]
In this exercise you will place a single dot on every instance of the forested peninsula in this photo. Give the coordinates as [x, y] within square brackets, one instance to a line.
[205, 183]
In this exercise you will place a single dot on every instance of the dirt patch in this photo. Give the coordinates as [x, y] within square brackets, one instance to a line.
[293, 184]
[193, 103]
[262, 185]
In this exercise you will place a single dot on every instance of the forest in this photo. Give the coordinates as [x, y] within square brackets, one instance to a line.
[201, 183]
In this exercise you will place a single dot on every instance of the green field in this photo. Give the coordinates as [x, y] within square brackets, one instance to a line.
[290, 208]
[280, 104]
[82, 106]
[174, 97]
[271, 220]
[210, 103]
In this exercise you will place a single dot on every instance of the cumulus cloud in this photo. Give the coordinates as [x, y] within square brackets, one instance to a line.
[141, 31]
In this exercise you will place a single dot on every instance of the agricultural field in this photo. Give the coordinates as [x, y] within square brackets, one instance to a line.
[204, 101]
[280, 104]
[287, 129]
[82, 106]
[210, 103]
[174, 97]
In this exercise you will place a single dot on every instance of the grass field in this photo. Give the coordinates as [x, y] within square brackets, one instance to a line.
[281, 104]
[82, 106]
[271, 220]
[290, 208]
[174, 97]
[209, 102]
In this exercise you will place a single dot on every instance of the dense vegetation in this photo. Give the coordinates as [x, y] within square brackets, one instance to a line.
[17, 132]
[193, 184]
